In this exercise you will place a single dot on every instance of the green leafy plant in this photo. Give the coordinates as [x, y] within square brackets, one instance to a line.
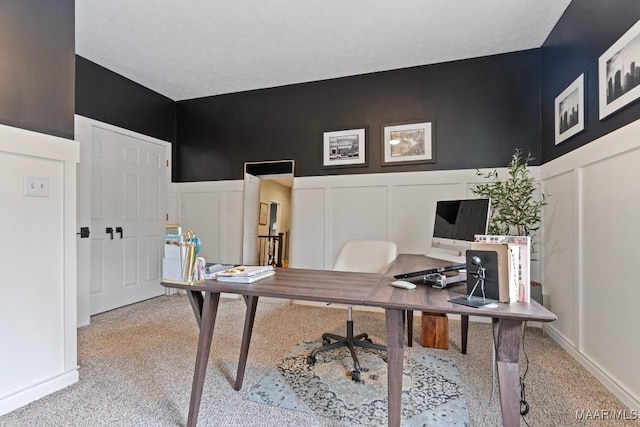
[515, 207]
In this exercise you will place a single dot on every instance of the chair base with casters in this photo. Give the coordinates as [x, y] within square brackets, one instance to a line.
[360, 256]
[350, 341]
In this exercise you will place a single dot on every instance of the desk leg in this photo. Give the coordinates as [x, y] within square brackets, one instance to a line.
[252, 304]
[464, 328]
[395, 359]
[507, 334]
[409, 328]
[209, 311]
[196, 299]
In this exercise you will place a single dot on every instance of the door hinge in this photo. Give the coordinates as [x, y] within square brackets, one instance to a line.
[167, 217]
[167, 162]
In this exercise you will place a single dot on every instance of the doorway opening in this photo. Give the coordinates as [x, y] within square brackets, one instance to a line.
[267, 212]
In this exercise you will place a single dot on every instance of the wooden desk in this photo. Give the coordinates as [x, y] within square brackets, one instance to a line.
[360, 289]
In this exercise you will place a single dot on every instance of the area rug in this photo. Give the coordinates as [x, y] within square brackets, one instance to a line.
[431, 390]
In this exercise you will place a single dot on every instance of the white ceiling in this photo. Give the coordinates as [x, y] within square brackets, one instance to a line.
[187, 49]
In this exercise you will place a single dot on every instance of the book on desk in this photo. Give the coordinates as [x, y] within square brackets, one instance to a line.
[245, 273]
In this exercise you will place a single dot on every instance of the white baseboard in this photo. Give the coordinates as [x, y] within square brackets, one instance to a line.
[23, 397]
[632, 402]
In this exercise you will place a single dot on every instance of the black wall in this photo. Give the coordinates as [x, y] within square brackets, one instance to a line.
[108, 97]
[483, 109]
[37, 45]
[585, 31]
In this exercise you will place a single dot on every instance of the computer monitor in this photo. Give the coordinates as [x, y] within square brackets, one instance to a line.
[456, 224]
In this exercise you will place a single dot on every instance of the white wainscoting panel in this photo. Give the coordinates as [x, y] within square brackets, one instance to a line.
[611, 284]
[329, 210]
[214, 211]
[413, 213]
[203, 209]
[560, 248]
[231, 227]
[38, 337]
[590, 252]
[355, 213]
[307, 227]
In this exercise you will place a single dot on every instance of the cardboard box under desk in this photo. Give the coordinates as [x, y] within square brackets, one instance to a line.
[435, 330]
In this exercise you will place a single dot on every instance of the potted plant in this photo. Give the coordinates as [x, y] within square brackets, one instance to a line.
[515, 204]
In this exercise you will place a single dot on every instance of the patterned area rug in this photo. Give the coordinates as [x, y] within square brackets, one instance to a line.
[431, 391]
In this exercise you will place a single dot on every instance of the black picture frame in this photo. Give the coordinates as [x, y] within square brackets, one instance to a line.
[345, 148]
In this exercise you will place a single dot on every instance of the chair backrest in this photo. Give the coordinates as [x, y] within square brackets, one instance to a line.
[366, 256]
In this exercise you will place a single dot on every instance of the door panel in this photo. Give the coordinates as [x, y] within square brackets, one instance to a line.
[129, 192]
[130, 261]
[153, 265]
[96, 266]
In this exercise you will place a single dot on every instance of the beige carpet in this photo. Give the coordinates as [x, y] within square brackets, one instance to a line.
[136, 366]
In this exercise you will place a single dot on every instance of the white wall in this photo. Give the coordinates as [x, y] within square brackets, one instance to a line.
[327, 211]
[38, 342]
[214, 211]
[591, 230]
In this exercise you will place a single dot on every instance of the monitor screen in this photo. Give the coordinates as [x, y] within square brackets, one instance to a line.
[458, 221]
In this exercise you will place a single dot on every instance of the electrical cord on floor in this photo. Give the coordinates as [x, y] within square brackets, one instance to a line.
[524, 405]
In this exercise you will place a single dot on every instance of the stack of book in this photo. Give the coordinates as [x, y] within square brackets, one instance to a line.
[513, 264]
[245, 273]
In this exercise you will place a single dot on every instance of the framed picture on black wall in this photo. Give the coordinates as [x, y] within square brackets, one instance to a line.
[569, 110]
[619, 73]
[344, 148]
[408, 143]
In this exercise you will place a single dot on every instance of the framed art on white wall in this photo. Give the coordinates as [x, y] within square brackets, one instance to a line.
[569, 111]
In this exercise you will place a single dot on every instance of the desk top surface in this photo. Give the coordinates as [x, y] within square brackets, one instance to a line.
[426, 298]
[296, 283]
[372, 290]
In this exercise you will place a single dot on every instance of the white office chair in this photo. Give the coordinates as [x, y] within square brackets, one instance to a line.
[363, 256]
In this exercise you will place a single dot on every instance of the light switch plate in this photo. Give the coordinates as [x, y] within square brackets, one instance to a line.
[36, 186]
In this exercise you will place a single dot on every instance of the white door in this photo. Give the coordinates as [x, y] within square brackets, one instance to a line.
[128, 209]
[250, 230]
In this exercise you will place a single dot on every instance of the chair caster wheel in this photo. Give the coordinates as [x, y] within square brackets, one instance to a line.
[311, 360]
[326, 341]
[355, 376]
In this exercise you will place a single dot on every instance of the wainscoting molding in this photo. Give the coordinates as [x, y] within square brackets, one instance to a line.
[38, 304]
[590, 250]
